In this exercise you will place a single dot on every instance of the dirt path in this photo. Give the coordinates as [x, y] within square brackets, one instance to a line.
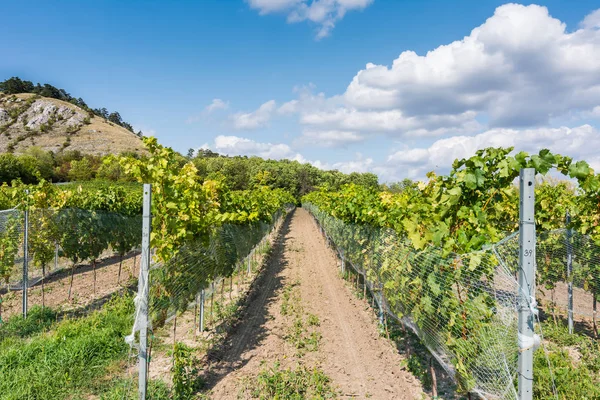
[303, 275]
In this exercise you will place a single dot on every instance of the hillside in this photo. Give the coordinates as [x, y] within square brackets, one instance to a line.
[30, 120]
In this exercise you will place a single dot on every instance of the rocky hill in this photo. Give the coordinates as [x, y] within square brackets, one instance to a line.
[31, 120]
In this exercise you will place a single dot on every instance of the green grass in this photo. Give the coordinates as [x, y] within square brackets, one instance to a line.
[39, 319]
[69, 359]
[291, 384]
[576, 372]
[123, 389]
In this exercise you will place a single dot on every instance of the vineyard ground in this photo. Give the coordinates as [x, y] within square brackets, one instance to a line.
[83, 295]
[359, 362]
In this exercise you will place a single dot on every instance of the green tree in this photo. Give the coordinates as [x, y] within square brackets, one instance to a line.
[45, 161]
[15, 85]
[23, 168]
[115, 118]
[81, 170]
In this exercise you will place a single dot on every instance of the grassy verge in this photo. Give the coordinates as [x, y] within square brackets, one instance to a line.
[44, 359]
[39, 319]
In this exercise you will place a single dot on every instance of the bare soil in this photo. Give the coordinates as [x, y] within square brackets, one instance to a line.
[360, 363]
[56, 286]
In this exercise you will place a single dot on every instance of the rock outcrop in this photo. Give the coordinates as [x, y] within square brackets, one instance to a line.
[29, 120]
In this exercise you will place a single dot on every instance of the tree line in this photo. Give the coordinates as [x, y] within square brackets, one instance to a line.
[16, 85]
[236, 173]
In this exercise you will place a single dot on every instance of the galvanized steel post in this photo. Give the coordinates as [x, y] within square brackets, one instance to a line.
[25, 257]
[526, 296]
[202, 299]
[570, 271]
[143, 283]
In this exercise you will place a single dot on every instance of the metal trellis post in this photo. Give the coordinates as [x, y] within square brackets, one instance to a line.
[25, 258]
[143, 292]
[202, 298]
[570, 271]
[526, 296]
[250, 262]
[56, 256]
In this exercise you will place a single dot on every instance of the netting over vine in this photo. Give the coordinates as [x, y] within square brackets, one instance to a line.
[463, 307]
[563, 256]
[174, 285]
[199, 266]
[59, 239]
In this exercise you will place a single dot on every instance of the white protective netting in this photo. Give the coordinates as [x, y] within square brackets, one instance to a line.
[464, 306]
[200, 267]
[564, 258]
[63, 240]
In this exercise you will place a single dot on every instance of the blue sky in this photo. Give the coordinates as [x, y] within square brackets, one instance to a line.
[288, 78]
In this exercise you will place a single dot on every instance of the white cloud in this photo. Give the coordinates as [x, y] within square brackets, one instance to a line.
[291, 107]
[359, 164]
[392, 121]
[510, 79]
[271, 6]
[256, 119]
[580, 143]
[146, 131]
[324, 13]
[216, 104]
[520, 68]
[595, 113]
[592, 20]
[332, 138]
[237, 146]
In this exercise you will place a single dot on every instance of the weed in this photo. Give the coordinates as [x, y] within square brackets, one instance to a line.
[574, 378]
[186, 371]
[125, 389]
[313, 320]
[293, 384]
[302, 333]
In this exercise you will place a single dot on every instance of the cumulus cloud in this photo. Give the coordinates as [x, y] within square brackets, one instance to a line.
[256, 119]
[580, 142]
[146, 131]
[592, 21]
[520, 68]
[508, 83]
[331, 138]
[324, 13]
[392, 121]
[359, 164]
[238, 146]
